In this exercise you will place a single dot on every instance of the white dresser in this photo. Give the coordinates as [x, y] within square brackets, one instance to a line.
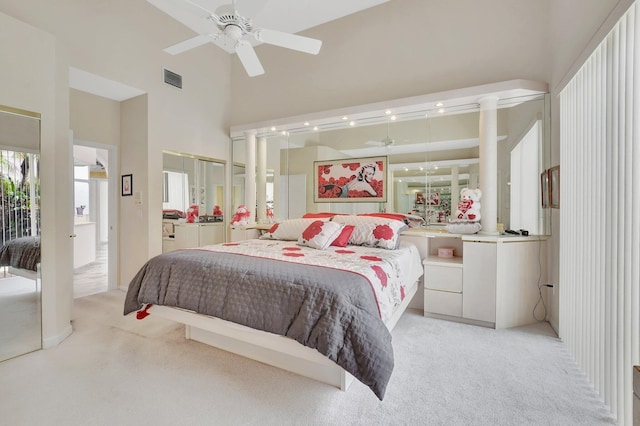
[491, 280]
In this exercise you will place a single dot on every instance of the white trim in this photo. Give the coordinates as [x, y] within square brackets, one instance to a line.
[52, 341]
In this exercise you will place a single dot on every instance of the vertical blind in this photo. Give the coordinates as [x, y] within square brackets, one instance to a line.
[600, 215]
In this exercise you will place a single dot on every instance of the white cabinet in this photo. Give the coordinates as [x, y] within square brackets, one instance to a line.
[443, 279]
[428, 241]
[193, 235]
[480, 281]
[494, 284]
[84, 243]
[501, 279]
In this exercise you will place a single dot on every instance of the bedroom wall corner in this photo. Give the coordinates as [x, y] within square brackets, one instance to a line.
[134, 210]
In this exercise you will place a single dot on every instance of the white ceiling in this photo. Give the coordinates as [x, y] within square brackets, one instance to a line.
[289, 16]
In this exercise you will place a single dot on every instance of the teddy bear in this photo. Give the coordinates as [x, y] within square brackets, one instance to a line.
[192, 213]
[241, 217]
[217, 211]
[469, 206]
[270, 217]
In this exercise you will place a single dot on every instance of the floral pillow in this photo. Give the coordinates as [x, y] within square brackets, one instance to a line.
[345, 235]
[288, 230]
[319, 235]
[373, 231]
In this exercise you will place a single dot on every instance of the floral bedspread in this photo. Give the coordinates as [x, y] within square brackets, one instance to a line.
[389, 272]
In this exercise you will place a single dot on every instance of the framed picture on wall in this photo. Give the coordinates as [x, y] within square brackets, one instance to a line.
[350, 180]
[554, 187]
[127, 185]
[544, 189]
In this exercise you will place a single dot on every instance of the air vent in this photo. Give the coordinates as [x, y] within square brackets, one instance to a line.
[172, 78]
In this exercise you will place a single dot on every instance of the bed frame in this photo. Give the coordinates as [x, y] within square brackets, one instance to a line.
[25, 273]
[278, 351]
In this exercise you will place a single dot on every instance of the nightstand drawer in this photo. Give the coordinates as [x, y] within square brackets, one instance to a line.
[445, 278]
[443, 302]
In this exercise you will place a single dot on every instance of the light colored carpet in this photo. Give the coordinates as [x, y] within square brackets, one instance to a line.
[117, 370]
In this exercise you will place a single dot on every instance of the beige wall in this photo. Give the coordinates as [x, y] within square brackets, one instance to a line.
[94, 118]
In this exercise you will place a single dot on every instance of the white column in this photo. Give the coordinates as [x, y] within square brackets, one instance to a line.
[261, 180]
[489, 164]
[250, 175]
[390, 205]
[455, 189]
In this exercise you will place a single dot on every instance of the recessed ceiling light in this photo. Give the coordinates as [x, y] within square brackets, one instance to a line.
[393, 117]
[315, 127]
[273, 129]
[439, 104]
[306, 123]
[388, 112]
[284, 132]
[406, 169]
[352, 123]
[345, 118]
[441, 110]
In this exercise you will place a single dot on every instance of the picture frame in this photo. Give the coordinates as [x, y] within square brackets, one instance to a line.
[127, 185]
[544, 189]
[351, 180]
[554, 187]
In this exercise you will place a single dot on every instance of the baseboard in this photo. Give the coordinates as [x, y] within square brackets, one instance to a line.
[52, 341]
[554, 325]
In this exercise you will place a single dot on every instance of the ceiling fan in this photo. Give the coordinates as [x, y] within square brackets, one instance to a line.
[386, 142]
[228, 29]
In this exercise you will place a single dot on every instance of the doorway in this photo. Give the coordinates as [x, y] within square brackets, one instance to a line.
[93, 218]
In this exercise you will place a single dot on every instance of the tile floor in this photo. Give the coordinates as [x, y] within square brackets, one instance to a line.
[92, 278]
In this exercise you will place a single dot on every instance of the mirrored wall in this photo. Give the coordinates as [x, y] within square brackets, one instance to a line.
[192, 201]
[20, 280]
[431, 152]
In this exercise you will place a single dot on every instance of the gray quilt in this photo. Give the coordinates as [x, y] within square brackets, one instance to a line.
[22, 253]
[330, 310]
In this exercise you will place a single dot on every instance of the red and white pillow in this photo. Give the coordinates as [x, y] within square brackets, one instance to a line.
[373, 231]
[342, 240]
[288, 230]
[320, 234]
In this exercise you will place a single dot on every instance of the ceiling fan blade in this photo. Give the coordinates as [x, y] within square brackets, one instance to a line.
[289, 41]
[187, 13]
[249, 59]
[191, 43]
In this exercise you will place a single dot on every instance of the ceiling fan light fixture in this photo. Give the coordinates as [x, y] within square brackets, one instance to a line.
[232, 31]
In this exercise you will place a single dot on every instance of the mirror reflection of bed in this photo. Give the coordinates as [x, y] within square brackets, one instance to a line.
[20, 284]
[432, 150]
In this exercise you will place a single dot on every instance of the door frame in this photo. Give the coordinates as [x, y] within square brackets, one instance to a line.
[113, 226]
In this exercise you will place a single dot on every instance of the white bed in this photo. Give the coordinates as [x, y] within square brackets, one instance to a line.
[391, 277]
[272, 349]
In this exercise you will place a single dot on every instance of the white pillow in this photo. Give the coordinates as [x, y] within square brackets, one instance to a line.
[373, 231]
[288, 230]
[464, 227]
[320, 234]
